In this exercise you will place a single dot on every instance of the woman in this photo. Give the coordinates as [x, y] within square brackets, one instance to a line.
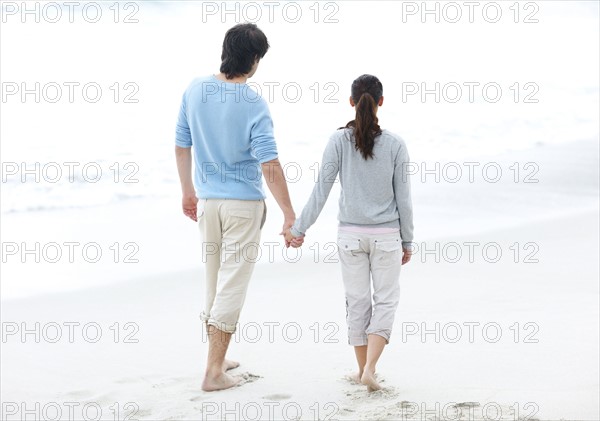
[375, 222]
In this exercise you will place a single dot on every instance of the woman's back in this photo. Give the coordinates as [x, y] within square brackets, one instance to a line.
[372, 167]
[369, 185]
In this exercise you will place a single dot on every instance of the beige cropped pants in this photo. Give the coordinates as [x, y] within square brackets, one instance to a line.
[230, 232]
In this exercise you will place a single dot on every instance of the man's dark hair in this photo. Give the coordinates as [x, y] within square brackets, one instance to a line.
[242, 46]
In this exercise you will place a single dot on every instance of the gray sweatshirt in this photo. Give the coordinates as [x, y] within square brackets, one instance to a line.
[375, 192]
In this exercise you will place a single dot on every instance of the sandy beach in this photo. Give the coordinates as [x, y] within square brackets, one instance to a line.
[101, 274]
[488, 337]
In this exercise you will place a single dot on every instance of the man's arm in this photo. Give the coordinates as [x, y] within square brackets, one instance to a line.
[184, 167]
[275, 180]
[183, 156]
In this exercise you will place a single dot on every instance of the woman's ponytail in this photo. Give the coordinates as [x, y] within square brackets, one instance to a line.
[366, 92]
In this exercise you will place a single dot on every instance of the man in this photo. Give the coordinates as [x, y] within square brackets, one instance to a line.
[230, 129]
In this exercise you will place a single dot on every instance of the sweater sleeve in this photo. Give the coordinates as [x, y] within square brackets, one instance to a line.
[330, 167]
[262, 139]
[183, 136]
[403, 197]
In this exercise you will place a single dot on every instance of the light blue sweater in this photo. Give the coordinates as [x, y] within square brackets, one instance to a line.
[375, 192]
[231, 131]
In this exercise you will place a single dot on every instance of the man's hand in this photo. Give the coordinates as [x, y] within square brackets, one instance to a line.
[189, 204]
[406, 254]
[288, 221]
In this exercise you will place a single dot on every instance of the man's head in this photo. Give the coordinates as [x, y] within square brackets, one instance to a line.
[244, 45]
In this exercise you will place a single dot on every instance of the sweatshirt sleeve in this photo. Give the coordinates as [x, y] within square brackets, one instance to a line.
[183, 136]
[403, 196]
[330, 167]
[262, 139]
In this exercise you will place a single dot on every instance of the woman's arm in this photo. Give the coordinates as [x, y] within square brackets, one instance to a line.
[330, 167]
[403, 196]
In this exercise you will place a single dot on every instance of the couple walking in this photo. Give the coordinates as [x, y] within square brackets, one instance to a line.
[227, 128]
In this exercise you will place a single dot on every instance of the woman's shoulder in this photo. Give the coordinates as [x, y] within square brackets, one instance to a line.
[341, 135]
[392, 138]
[342, 132]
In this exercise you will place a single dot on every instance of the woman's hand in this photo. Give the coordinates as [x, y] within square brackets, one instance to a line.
[406, 254]
[297, 242]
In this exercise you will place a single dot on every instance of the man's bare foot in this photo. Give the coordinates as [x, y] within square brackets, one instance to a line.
[221, 382]
[368, 379]
[230, 365]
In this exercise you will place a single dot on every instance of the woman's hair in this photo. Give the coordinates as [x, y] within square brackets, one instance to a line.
[243, 45]
[366, 92]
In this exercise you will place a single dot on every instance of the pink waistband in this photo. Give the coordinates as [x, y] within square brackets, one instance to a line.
[369, 230]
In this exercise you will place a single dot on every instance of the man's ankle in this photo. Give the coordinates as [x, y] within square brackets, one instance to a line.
[214, 372]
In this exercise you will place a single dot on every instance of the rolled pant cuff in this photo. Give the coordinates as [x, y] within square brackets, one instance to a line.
[225, 327]
[204, 317]
[385, 334]
[357, 340]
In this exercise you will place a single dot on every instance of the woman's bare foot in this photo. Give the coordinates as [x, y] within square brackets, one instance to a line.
[354, 377]
[220, 382]
[230, 365]
[368, 379]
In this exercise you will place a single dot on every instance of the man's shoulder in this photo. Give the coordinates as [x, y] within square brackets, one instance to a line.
[211, 86]
[200, 82]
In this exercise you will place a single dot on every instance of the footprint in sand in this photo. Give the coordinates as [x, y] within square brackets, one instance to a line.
[105, 399]
[126, 380]
[147, 413]
[467, 404]
[78, 394]
[85, 396]
[360, 394]
[385, 392]
[248, 378]
[277, 397]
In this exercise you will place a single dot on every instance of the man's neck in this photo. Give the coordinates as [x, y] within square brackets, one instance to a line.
[238, 79]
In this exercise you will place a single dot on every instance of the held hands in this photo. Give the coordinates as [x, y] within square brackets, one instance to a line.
[287, 224]
[290, 240]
